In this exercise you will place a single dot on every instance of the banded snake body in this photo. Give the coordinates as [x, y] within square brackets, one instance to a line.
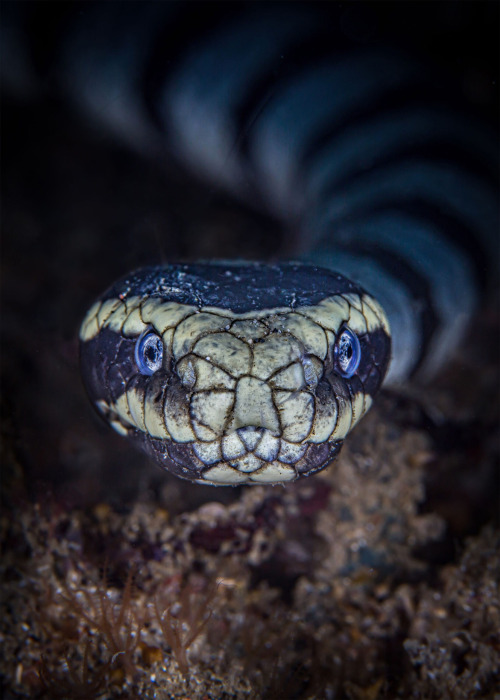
[233, 373]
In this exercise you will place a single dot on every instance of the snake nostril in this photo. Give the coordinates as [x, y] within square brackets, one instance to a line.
[250, 436]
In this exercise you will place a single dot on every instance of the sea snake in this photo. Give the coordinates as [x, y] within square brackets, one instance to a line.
[227, 372]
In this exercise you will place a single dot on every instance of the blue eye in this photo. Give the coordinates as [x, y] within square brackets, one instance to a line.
[347, 353]
[149, 353]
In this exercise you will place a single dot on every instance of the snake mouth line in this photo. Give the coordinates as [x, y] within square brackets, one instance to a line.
[291, 461]
[248, 455]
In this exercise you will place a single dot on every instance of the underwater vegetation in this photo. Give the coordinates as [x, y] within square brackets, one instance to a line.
[343, 587]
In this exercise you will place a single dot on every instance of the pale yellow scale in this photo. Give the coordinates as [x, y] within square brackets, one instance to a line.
[275, 352]
[297, 414]
[325, 421]
[254, 406]
[226, 351]
[311, 336]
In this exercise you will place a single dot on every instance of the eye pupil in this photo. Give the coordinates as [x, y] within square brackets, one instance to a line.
[347, 353]
[149, 353]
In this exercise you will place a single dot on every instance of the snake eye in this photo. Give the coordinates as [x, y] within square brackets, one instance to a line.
[149, 353]
[347, 353]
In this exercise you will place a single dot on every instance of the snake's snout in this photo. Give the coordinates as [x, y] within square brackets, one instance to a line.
[254, 407]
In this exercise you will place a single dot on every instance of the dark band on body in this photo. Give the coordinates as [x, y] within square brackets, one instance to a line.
[399, 268]
[452, 230]
[296, 59]
[194, 21]
[432, 150]
[413, 94]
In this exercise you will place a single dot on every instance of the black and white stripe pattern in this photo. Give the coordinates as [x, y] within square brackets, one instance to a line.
[386, 178]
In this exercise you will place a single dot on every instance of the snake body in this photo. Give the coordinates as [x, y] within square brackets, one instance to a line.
[228, 373]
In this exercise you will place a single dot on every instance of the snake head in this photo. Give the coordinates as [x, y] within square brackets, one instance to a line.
[235, 374]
